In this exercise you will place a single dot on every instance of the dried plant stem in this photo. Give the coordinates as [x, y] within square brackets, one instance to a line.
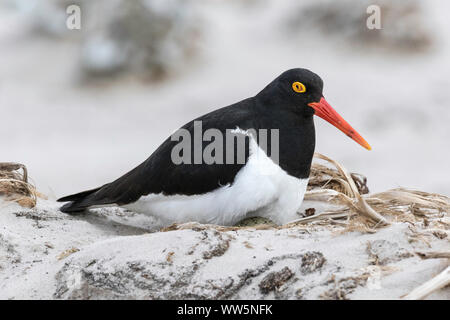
[359, 204]
[11, 166]
[15, 186]
[15, 180]
[434, 255]
[436, 283]
[320, 216]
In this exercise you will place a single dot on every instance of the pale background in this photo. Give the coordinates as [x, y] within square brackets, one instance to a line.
[76, 131]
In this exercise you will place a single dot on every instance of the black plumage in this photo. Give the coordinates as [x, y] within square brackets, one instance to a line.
[277, 106]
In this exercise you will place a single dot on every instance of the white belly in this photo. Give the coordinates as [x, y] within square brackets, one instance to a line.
[260, 188]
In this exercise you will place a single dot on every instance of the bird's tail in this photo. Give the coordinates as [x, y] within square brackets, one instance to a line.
[77, 201]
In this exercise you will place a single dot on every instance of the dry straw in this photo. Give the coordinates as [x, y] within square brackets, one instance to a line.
[351, 208]
[438, 282]
[346, 196]
[14, 186]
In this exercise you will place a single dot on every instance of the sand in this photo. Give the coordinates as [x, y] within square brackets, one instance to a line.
[115, 254]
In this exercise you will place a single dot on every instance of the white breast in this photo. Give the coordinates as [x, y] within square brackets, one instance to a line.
[260, 188]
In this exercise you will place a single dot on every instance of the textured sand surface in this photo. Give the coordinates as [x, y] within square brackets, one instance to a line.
[114, 254]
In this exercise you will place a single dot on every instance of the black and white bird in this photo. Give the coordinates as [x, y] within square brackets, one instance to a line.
[225, 192]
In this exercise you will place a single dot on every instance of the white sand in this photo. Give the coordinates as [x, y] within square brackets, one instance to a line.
[45, 254]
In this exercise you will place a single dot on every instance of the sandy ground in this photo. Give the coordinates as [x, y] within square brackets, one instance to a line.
[110, 254]
[76, 136]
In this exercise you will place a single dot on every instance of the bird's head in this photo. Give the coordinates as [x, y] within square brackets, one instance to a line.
[301, 91]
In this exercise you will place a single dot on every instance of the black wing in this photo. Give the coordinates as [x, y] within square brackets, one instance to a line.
[158, 174]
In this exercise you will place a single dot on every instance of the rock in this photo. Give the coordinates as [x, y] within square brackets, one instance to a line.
[274, 280]
[312, 261]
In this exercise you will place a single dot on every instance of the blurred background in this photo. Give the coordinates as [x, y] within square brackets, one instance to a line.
[82, 107]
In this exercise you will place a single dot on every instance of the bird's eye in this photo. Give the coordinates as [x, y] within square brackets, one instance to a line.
[298, 87]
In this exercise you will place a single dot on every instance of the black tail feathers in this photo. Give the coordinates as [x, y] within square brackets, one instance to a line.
[72, 207]
[78, 196]
[77, 201]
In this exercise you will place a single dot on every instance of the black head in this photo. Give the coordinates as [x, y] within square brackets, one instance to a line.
[299, 91]
[294, 89]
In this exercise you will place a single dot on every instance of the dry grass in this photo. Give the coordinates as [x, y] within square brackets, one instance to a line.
[358, 211]
[14, 186]
[353, 209]
[434, 255]
[438, 282]
[67, 253]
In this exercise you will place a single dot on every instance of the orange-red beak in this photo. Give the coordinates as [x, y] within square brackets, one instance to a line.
[326, 112]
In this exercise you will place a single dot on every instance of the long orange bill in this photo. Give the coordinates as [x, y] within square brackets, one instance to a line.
[326, 112]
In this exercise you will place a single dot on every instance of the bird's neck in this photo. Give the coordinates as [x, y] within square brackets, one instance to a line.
[296, 134]
[269, 95]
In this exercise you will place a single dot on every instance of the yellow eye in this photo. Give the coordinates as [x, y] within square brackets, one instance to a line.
[298, 87]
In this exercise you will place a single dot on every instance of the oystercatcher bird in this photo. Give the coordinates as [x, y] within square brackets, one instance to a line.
[224, 192]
